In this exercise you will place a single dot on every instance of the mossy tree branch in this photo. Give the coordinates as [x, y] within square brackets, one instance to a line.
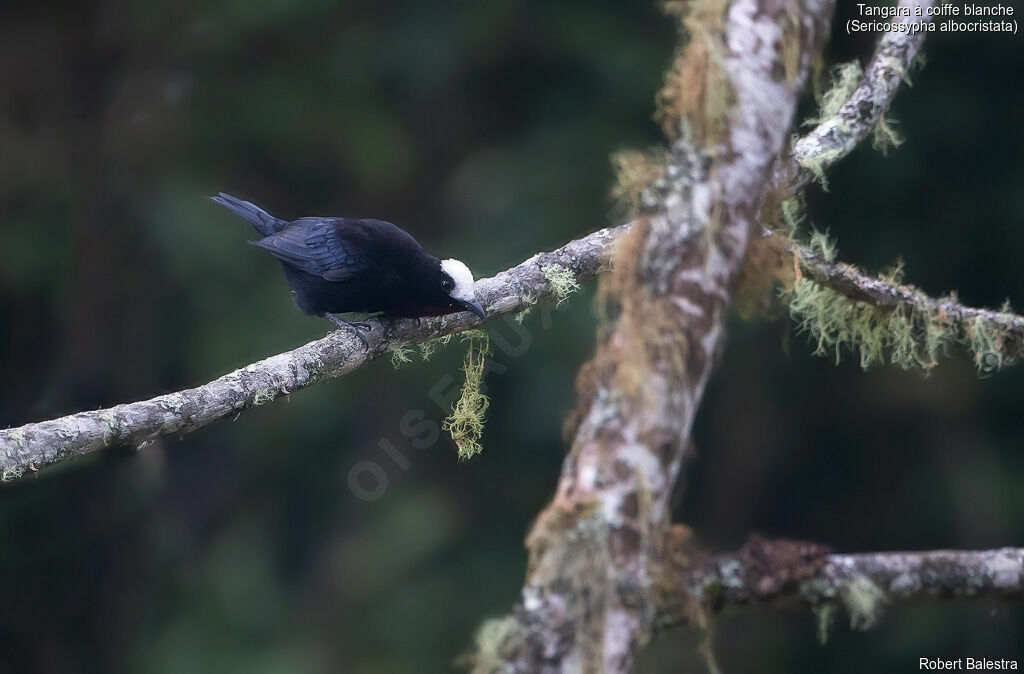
[540, 278]
[924, 323]
[835, 137]
[994, 338]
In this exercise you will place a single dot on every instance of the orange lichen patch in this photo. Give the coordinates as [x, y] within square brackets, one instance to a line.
[634, 172]
[696, 94]
[767, 263]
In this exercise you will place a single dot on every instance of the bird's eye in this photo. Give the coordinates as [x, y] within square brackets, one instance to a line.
[447, 284]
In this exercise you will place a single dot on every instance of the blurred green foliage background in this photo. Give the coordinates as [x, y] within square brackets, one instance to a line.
[484, 129]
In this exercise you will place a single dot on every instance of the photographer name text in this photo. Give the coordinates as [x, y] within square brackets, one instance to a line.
[976, 664]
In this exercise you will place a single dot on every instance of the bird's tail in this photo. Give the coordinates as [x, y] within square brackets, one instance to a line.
[264, 222]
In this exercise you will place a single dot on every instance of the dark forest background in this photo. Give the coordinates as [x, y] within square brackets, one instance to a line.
[483, 128]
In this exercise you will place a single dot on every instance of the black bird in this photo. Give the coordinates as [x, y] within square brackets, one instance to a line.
[342, 265]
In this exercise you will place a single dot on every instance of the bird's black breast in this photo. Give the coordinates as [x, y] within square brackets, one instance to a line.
[370, 291]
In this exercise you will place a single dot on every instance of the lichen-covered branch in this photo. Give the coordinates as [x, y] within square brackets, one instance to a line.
[589, 595]
[835, 137]
[775, 571]
[37, 445]
[883, 318]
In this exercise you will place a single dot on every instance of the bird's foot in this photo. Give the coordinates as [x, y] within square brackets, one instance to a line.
[355, 328]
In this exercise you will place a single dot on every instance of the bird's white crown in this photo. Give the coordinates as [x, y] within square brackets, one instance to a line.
[463, 279]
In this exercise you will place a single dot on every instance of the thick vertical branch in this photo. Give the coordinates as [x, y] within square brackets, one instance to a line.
[589, 597]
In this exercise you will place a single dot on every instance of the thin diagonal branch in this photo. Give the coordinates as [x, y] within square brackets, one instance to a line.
[38, 445]
[41, 444]
[836, 137]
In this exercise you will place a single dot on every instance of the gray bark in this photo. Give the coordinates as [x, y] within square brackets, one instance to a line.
[588, 597]
[780, 571]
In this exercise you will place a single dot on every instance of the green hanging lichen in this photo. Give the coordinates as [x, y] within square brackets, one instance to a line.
[400, 356]
[864, 602]
[986, 343]
[823, 245]
[908, 336]
[904, 338]
[824, 614]
[819, 161]
[884, 136]
[428, 347]
[845, 78]
[466, 422]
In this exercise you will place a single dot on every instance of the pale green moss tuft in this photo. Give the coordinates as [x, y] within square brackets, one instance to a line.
[864, 602]
[707, 648]
[400, 356]
[895, 274]
[845, 78]
[562, 281]
[905, 338]
[428, 347]
[818, 162]
[919, 62]
[903, 348]
[935, 334]
[529, 300]
[111, 430]
[262, 397]
[792, 214]
[884, 136]
[824, 615]
[497, 640]
[11, 473]
[904, 73]
[816, 311]
[466, 422]
[986, 343]
[823, 245]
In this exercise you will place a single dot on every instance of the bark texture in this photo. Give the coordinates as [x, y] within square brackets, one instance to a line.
[588, 597]
[782, 571]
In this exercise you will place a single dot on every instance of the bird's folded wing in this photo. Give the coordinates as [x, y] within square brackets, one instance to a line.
[315, 248]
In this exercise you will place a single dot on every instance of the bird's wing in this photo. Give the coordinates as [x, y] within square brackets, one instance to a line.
[316, 247]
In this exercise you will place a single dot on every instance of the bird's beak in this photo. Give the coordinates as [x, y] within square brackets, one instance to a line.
[474, 307]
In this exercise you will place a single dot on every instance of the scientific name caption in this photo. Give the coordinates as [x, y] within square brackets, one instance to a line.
[953, 17]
